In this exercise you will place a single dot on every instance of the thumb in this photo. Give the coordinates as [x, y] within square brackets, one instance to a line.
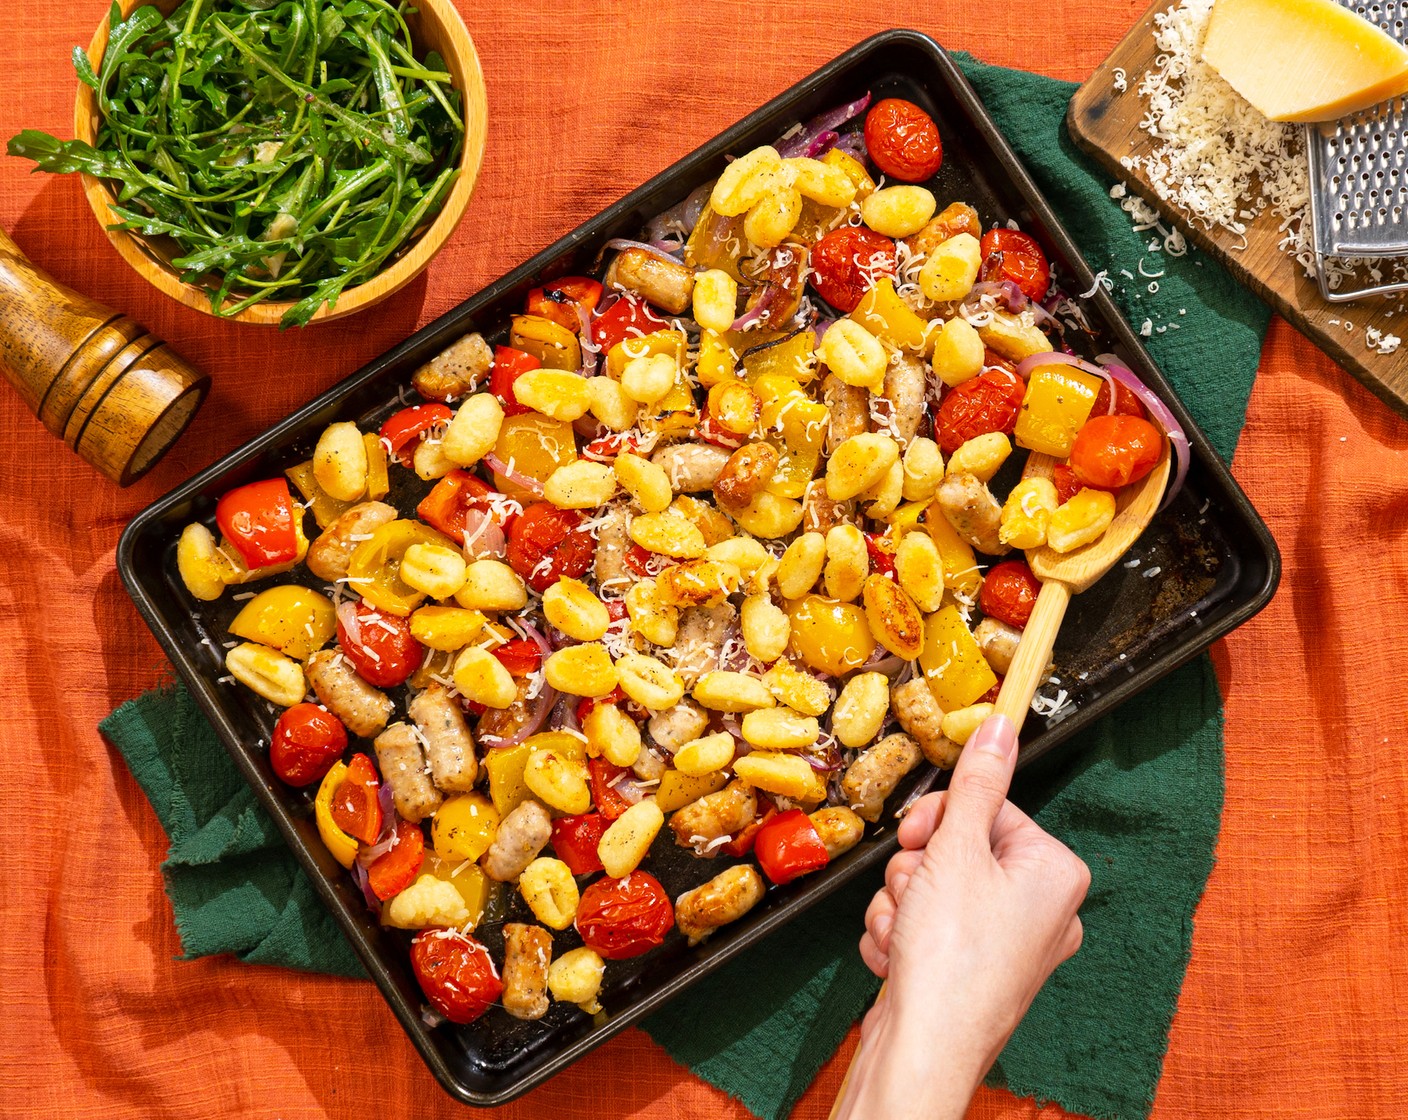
[980, 780]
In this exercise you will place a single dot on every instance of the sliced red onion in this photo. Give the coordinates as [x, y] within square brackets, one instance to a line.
[621, 244]
[430, 1017]
[822, 144]
[534, 635]
[828, 761]
[528, 482]
[821, 326]
[1012, 297]
[1163, 416]
[359, 876]
[590, 351]
[351, 624]
[1057, 358]
[800, 142]
[542, 705]
[853, 144]
[891, 666]
[761, 311]
[681, 216]
[483, 537]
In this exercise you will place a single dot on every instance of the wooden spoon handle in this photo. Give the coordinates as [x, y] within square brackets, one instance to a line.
[1033, 653]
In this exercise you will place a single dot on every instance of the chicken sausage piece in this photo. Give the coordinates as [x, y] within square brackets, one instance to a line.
[849, 406]
[691, 466]
[699, 638]
[613, 540]
[449, 747]
[361, 707]
[648, 765]
[973, 512]
[724, 813]
[497, 724]
[725, 898]
[455, 371]
[839, 828]
[820, 513]
[919, 714]
[402, 764]
[998, 641]
[666, 284]
[527, 954]
[522, 835]
[329, 555]
[873, 776]
[674, 727]
[906, 381]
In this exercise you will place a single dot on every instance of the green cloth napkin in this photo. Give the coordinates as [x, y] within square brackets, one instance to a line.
[1139, 796]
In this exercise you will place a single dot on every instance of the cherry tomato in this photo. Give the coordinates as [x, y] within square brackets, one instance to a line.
[991, 695]
[742, 844]
[847, 261]
[881, 548]
[404, 429]
[308, 740]
[447, 506]
[1009, 593]
[509, 366]
[993, 360]
[903, 140]
[608, 800]
[625, 317]
[575, 840]
[1113, 451]
[622, 918]
[257, 519]
[1010, 254]
[456, 974]
[520, 656]
[1066, 482]
[788, 846]
[1126, 403]
[544, 544]
[587, 704]
[559, 300]
[640, 561]
[382, 649]
[396, 869]
[982, 404]
[606, 448]
[355, 808]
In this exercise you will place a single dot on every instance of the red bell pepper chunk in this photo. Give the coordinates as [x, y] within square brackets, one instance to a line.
[395, 870]
[626, 317]
[257, 519]
[788, 846]
[742, 844]
[447, 506]
[608, 801]
[586, 704]
[509, 366]
[559, 301]
[519, 656]
[355, 808]
[404, 429]
[576, 839]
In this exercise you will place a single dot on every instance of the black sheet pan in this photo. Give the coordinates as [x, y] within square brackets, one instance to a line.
[1217, 567]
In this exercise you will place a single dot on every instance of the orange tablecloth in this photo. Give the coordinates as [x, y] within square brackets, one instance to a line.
[1296, 1003]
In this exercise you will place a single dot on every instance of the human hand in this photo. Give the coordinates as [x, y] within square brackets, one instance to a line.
[977, 911]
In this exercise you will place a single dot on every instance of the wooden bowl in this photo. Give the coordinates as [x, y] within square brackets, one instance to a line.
[435, 26]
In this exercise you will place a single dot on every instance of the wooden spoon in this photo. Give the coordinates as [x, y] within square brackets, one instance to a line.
[1062, 575]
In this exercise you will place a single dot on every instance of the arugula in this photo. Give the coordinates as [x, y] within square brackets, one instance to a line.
[290, 148]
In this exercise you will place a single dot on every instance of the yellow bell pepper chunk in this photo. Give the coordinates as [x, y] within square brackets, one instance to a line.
[374, 570]
[884, 314]
[342, 846]
[673, 343]
[952, 661]
[960, 565]
[464, 827]
[294, 620]
[534, 445]
[468, 879]
[563, 743]
[447, 628]
[717, 242]
[677, 790]
[1056, 407]
[792, 356]
[378, 481]
[551, 343]
[326, 509]
[796, 425]
[505, 766]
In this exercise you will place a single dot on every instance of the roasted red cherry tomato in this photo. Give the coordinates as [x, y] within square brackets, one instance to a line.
[559, 300]
[903, 140]
[404, 429]
[606, 448]
[1126, 403]
[622, 918]
[396, 869]
[847, 261]
[982, 404]
[1009, 593]
[608, 800]
[447, 506]
[545, 544]
[881, 548]
[355, 808]
[587, 703]
[257, 519]
[1113, 451]
[626, 317]
[1066, 482]
[575, 840]
[788, 846]
[520, 656]
[378, 644]
[644, 563]
[509, 366]
[308, 740]
[1010, 254]
[456, 974]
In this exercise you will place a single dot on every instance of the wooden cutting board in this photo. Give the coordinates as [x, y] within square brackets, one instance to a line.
[1105, 123]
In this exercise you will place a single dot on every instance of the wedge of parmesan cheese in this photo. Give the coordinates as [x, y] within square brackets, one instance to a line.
[1304, 60]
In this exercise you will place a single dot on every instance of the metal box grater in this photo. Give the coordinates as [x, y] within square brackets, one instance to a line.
[1359, 176]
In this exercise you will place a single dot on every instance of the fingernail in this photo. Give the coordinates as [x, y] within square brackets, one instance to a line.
[882, 928]
[996, 736]
[901, 881]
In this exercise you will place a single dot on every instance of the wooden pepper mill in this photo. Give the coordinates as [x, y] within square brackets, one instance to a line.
[97, 380]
